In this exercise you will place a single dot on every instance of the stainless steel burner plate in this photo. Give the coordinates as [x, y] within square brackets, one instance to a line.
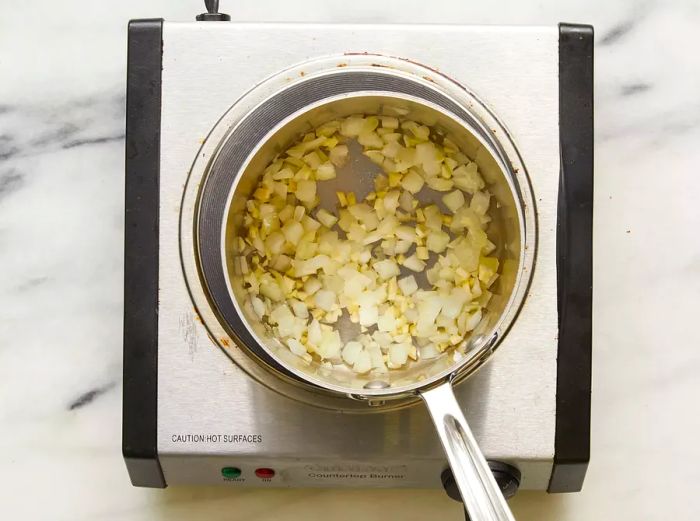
[216, 406]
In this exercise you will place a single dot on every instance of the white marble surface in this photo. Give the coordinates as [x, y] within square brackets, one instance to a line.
[62, 75]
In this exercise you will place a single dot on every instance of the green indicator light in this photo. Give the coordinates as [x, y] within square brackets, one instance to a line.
[230, 472]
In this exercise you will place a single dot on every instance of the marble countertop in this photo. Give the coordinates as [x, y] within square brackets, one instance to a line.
[62, 66]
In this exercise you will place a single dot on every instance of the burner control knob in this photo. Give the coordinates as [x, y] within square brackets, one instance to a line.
[212, 14]
[507, 477]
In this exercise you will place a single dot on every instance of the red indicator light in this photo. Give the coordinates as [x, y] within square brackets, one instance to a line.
[264, 473]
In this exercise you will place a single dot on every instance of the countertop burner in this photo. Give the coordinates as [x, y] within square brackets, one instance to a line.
[199, 409]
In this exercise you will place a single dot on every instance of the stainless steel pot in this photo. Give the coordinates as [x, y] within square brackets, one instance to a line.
[268, 119]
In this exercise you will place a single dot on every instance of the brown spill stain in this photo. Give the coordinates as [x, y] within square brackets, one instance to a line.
[342, 65]
[225, 342]
[302, 73]
[434, 69]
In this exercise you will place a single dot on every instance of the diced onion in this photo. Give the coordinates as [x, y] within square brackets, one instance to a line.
[429, 351]
[258, 306]
[325, 300]
[300, 309]
[439, 184]
[389, 122]
[398, 354]
[275, 242]
[467, 178]
[454, 200]
[296, 347]
[412, 182]
[311, 286]
[414, 263]
[351, 351]
[370, 140]
[437, 241]
[391, 201]
[408, 285]
[406, 233]
[402, 246]
[326, 218]
[325, 172]
[352, 126]
[302, 275]
[473, 320]
[363, 363]
[306, 191]
[386, 268]
[330, 345]
[339, 155]
[480, 203]
[271, 291]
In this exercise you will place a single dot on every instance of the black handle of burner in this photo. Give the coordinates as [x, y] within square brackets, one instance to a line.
[507, 477]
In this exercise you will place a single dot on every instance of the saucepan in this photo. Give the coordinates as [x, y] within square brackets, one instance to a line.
[275, 118]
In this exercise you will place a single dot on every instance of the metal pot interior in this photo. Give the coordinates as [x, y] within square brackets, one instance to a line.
[506, 231]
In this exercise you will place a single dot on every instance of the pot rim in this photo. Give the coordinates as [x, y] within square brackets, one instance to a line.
[490, 133]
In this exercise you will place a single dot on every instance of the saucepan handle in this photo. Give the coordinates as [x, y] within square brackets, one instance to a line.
[481, 494]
